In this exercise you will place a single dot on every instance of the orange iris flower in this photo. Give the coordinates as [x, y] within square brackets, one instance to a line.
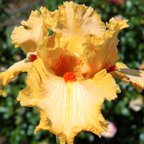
[71, 64]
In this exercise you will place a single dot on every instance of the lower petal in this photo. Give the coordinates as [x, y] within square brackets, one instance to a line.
[67, 108]
[135, 77]
[13, 71]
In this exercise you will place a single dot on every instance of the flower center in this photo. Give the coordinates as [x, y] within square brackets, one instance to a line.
[69, 76]
[66, 65]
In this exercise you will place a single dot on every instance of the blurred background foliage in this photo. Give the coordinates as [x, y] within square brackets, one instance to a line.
[17, 123]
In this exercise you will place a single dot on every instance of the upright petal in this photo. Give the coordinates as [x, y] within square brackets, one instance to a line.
[95, 46]
[102, 52]
[59, 54]
[114, 26]
[68, 107]
[50, 51]
[75, 19]
[111, 41]
[49, 20]
[27, 35]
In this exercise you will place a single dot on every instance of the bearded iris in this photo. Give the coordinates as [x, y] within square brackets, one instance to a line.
[71, 64]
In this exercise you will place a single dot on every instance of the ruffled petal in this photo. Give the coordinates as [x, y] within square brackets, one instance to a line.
[50, 50]
[103, 80]
[59, 54]
[30, 95]
[27, 35]
[75, 19]
[135, 77]
[114, 26]
[96, 50]
[49, 20]
[13, 71]
[100, 53]
[68, 107]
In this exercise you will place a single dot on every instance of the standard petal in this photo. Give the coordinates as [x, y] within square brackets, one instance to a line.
[97, 50]
[49, 50]
[100, 53]
[114, 26]
[135, 77]
[13, 71]
[27, 35]
[74, 19]
[49, 20]
[68, 107]
[59, 54]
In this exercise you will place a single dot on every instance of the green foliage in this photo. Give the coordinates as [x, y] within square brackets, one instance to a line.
[18, 123]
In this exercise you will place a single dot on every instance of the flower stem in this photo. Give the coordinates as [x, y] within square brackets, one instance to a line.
[57, 140]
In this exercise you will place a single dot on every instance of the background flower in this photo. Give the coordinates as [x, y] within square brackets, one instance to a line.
[111, 131]
[118, 2]
[136, 104]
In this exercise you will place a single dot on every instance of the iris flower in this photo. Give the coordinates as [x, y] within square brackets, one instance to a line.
[71, 62]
